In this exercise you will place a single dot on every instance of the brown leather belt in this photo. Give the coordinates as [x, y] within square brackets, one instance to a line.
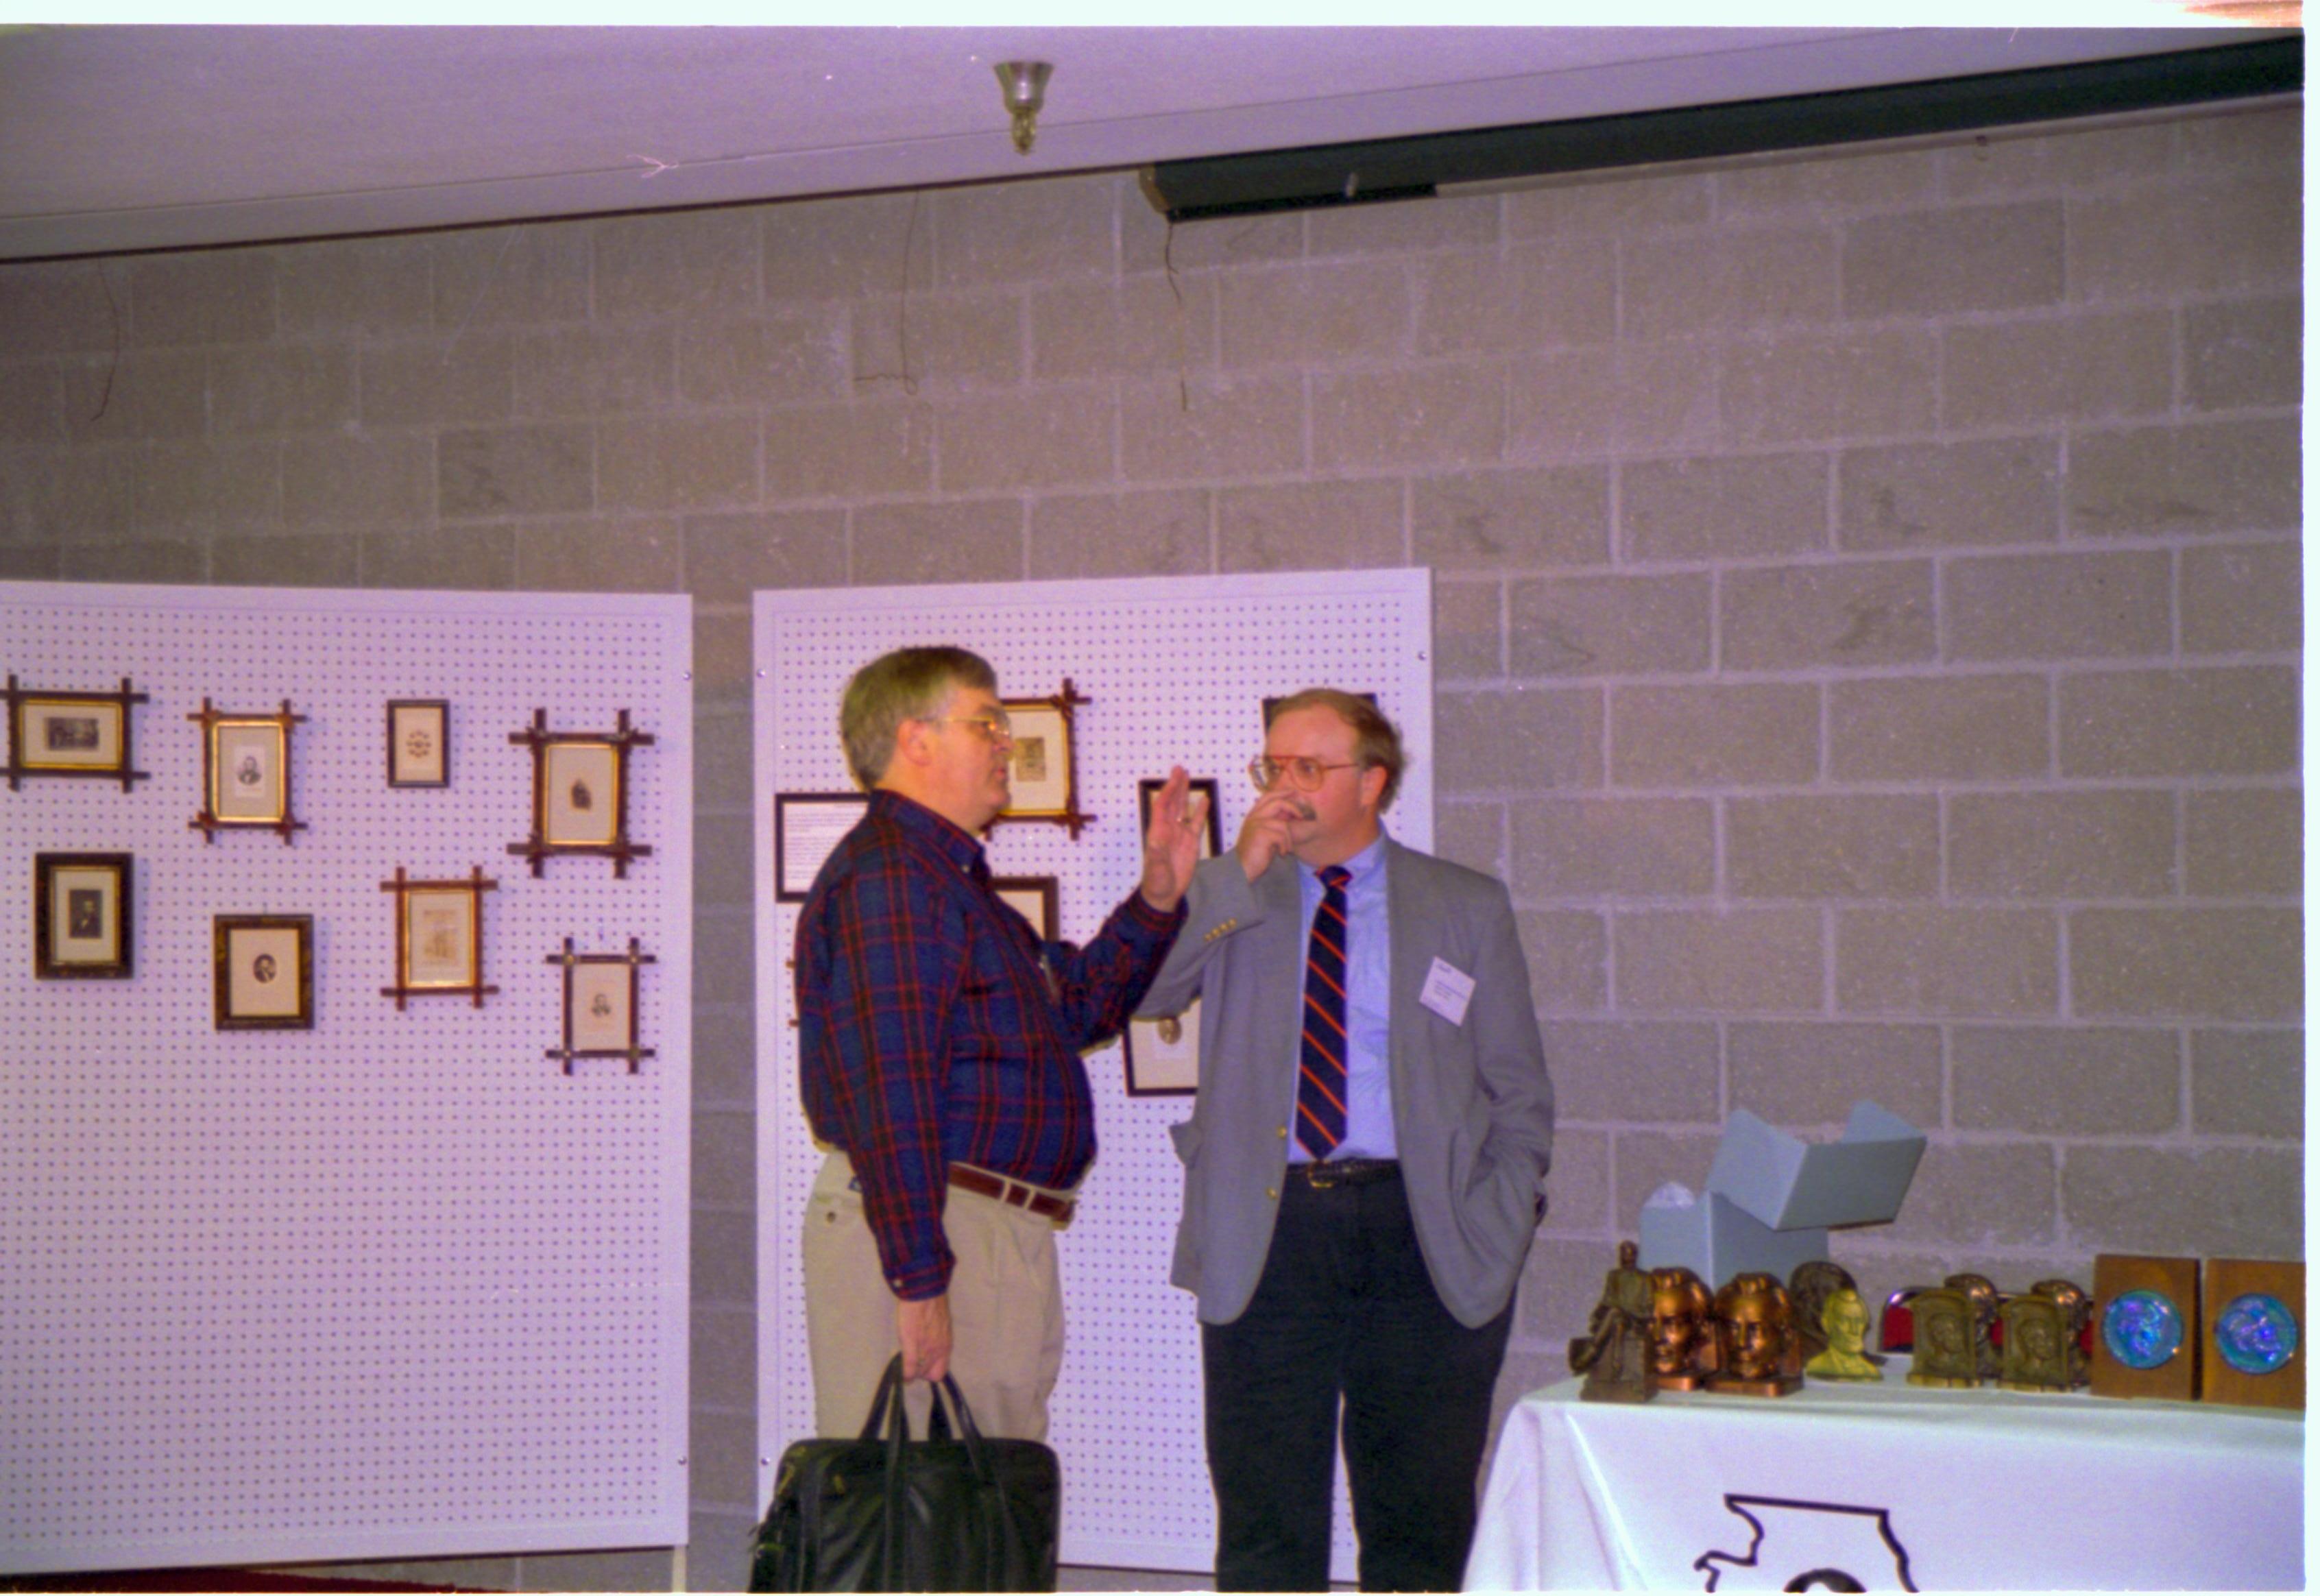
[1014, 1193]
[1346, 1172]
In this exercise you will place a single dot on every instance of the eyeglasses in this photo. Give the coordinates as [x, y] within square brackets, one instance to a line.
[1304, 775]
[993, 728]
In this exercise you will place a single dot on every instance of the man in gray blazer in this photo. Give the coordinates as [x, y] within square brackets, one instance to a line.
[1363, 1166]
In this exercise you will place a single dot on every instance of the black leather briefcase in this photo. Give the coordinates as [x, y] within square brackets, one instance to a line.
[888, 1513]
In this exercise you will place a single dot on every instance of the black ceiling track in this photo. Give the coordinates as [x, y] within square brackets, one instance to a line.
[1415, 168]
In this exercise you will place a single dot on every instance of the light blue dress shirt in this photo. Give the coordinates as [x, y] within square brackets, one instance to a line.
[1369, 1085]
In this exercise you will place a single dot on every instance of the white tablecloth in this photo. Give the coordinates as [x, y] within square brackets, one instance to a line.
[1898, 1487]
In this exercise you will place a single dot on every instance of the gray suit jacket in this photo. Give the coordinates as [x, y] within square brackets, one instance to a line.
[1474, 1112]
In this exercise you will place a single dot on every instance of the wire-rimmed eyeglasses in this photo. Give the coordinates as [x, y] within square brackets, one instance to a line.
[1304, 775]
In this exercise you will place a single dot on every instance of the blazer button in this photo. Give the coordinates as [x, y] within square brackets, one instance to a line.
[1272, 1191]
[1283, 1132]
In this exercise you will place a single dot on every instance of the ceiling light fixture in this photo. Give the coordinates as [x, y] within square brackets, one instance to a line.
[1023, 85]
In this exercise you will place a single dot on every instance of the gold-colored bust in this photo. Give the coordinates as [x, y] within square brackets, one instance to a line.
[1683, 1341]
[1754, 1325]
[1844, 1320]
[1944, 1325]
[1811, 1283]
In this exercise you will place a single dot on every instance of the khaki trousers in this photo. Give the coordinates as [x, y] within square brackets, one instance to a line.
[1006, 1310]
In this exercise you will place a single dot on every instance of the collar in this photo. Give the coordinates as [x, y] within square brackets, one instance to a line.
[924, 823]
[1359, 868]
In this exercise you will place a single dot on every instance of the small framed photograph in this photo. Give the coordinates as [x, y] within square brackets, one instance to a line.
[1033, 897]
[246, 772]
[580, 792]
[600, 1005]
[63, 734]
[419, 742]
[1163, 1056]
[264, 972]
[1041, 772]
[81, 922]
[806, 827]
[442, 942]
[70, 734]
[1204, 791]
[245, 785]
[438, 937]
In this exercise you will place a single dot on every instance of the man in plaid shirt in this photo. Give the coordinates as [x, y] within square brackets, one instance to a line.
[939, 1044]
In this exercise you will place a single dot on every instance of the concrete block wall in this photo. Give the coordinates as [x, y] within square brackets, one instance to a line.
[1869, 606]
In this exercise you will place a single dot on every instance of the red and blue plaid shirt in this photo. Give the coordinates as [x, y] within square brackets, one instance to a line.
[933, 1028]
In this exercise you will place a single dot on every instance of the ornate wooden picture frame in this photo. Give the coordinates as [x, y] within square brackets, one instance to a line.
[246, 772]
[438, 937]
[85, 735]
[83, 927]
[1043, 773]
[600, 1005]
[580, 794]
[419, 742]
[265, 971]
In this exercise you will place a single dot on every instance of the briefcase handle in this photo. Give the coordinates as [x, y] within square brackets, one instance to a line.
[888, 1413]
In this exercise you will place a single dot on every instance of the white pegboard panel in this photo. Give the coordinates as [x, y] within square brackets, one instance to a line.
[395, 1286]
[1176, 668]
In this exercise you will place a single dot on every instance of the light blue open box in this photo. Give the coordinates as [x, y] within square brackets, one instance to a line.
[1772, 1198]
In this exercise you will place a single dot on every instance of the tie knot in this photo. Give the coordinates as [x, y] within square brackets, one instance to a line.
[1334, 876]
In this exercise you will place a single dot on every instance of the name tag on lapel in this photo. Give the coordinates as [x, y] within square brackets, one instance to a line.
[1447, 991]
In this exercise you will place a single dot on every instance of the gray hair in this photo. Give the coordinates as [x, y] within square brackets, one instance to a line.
[907, 684]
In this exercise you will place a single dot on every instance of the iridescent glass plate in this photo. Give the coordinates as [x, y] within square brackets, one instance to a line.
[2256, 1333]
[2142, 1330]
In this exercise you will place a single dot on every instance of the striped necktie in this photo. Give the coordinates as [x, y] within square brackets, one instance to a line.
[1321, 1057]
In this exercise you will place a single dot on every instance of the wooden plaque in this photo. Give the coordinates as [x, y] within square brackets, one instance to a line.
[2226, 1282]
[2121, 1276]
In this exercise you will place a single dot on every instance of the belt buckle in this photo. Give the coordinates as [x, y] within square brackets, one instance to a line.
[1316, 1179]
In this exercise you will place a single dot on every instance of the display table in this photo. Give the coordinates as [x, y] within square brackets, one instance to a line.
[1897, 1487]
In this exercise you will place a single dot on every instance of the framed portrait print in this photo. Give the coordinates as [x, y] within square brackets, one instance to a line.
[246, 772]
[70, 734]
[419, 742]
[1204, 788]
[264, 972]
[438, 937]
[1163, 1056]
[1043, 775]
[1031, 896]
[580, 792]
[81, 921]
[806, 827]
[600, 1005]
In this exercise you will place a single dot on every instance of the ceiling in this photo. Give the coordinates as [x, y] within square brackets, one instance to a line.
[120, 137]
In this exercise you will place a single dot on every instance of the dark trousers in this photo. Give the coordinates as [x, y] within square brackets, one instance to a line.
[1345, 1310]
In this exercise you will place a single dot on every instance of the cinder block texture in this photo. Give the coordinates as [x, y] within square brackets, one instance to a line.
[2216, 476]
[1619, 848]
[1813, 1072]
[2231, 720]
[2197, 964]
[1962, 962]
[2057, 606]
[1608, 626]
[1623, 1071]
[1859, 614]
[2065, 1081]
[2244, 842]
[1715, 736]
[1863, 846]
[1734, 961]
[1931, 495]
[2242, 1202]
[2248, 1083]
[2242, 598]
[2095, 844]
